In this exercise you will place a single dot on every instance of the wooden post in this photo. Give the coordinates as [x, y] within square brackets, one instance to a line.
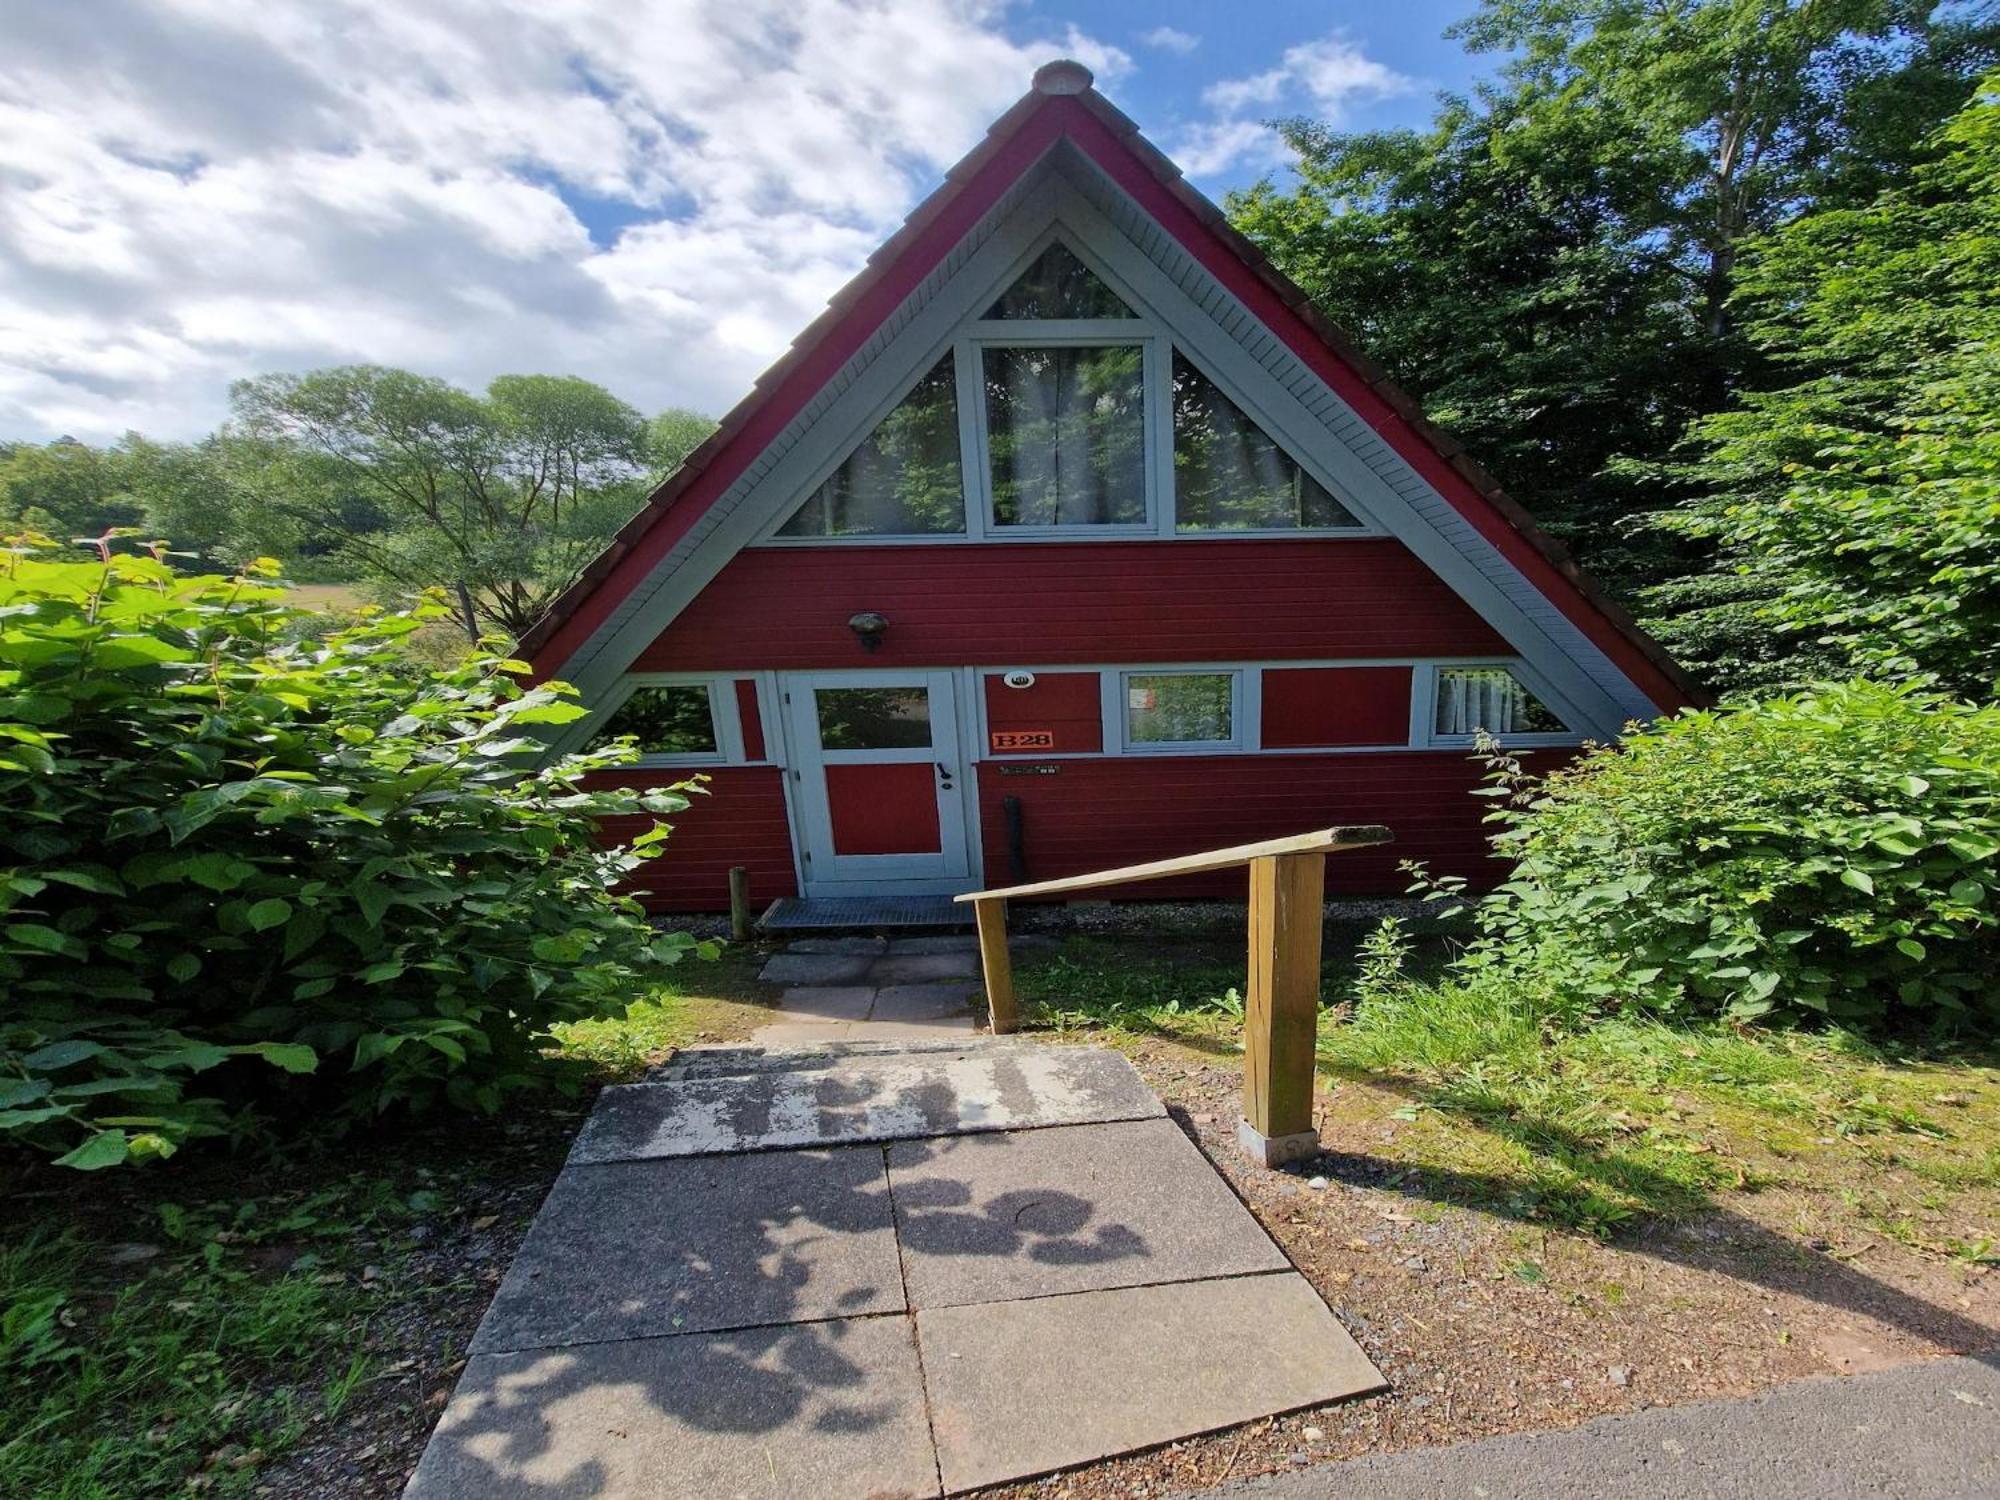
[992, 919]
[739, 903]
[1281, 1013]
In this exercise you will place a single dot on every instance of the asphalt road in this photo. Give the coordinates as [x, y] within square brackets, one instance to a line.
[1919, 1432]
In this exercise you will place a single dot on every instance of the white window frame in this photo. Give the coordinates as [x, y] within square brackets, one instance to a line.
[1423, 706]
[1155, 339]
[1241, 734]
[723, 711]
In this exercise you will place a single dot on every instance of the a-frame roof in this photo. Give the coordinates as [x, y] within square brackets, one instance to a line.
[1064, 108]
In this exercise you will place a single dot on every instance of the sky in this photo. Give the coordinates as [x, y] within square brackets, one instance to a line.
[653, 194]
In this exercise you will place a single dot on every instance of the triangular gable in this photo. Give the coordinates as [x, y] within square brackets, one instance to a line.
[1065, 152]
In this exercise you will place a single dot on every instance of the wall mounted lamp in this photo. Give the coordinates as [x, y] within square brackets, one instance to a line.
[869, 628]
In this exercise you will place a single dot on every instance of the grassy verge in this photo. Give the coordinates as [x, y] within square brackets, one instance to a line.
[186, 1328]
[1591, 1128]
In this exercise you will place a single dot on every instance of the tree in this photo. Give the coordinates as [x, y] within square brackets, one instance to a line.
[672, 436]
[502, 499]
[1549, 267]
[65, 489]
[1863, 498]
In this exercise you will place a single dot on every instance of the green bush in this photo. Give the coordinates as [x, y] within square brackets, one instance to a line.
[244, 874]
[1829, 855]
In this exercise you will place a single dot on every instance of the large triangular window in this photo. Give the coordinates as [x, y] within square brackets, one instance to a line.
[1058, 285]
[904, 479]
[1230, 476]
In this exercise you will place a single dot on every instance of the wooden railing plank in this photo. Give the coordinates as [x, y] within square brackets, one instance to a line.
[1324, 841]
[991, 915]
[1281, 1010]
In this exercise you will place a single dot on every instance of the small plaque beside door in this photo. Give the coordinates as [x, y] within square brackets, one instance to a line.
[1003, 740]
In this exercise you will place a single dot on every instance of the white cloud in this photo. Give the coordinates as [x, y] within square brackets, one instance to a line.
[656, 196]
[1323, 77]
[1167, 39]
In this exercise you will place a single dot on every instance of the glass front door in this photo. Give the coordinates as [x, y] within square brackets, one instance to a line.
[881, 791]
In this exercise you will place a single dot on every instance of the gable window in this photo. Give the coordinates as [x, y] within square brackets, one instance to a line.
[1179, 709]
[904, 479]
[678, 719]
[1066, 434]
[1058, 285]
[1228, 473]
[1490, 700]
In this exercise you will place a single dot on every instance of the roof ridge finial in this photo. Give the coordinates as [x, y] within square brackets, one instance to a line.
[1063, 76]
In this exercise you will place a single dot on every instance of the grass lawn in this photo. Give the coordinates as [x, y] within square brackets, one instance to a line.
[286, 1324]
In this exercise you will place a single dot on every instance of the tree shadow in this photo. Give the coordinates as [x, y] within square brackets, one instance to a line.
[660, 1308]
[1684, 1224]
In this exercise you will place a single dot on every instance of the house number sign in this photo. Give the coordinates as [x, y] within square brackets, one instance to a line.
[1023, 739]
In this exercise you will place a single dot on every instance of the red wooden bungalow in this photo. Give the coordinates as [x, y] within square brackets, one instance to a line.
[1070, 536]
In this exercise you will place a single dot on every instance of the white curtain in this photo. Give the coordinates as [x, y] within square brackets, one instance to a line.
[1474, 698]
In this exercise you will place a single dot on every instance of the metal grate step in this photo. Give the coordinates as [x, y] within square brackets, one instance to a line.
[839, 913]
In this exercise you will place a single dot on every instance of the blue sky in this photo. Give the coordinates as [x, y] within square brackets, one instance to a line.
[654, 194]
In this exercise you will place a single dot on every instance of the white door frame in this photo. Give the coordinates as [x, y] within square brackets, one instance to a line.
[825, 873]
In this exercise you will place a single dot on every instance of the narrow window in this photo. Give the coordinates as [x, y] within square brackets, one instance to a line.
[1180, 708]
[1067, 427]
[1489, 699]
[903, 480]
[1228, 473]
[676, 720]
[867, 718]
[1058, 285]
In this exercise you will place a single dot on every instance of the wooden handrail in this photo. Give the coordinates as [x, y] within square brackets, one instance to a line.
[1281, 1008]
[1324, 841]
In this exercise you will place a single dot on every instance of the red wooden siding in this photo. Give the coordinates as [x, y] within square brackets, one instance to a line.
[753, 722]
[886, 808]
[1000, 603]
[1099, 814]
[1336, 706]
[741, 821]
[1069, 705]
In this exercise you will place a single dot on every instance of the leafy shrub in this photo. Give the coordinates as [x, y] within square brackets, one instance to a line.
[230, 859]
[1829, 855]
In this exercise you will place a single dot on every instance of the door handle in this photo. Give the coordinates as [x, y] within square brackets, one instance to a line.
[944, 773]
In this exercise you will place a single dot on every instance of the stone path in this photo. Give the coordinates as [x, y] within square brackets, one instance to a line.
[849, 988]
[873, 1269]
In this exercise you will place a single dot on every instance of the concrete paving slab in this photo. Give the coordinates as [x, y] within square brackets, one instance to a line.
[833, 1411]
[923, 968]
[730, 1059]
[646, 1248]
[807, 1035]
[825, 1002]
[815, 968]
[1022, 1388]
[944, 942]
[923, 1002]
[964, 1024]
[1032, 1213]
[850, 945]
[877, 1098]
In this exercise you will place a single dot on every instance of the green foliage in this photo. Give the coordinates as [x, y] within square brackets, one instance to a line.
[501, 499]
[1860, 505]
[1549, 267]
[243, 873]
[1828, 857]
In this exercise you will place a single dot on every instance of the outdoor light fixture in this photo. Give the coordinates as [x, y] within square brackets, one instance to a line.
[869, 628]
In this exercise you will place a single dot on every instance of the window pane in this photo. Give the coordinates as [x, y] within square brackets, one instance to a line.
[1174, 708]
[1068, 433]
[1058, 285]
[904, 478]
[1228, 473]
[665, 721]
[874, 718]
[1471, 699]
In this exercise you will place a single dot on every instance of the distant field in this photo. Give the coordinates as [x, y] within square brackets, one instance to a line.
[328, 596]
